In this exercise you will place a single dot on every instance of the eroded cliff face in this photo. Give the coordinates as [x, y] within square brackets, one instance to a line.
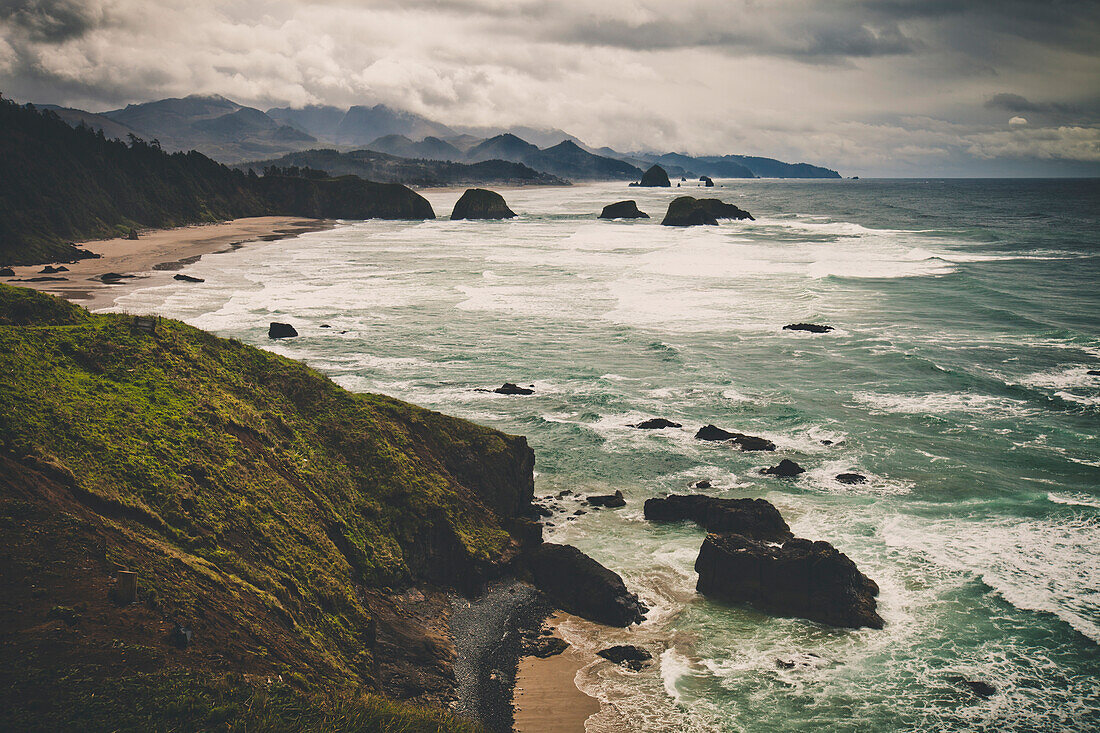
[288, 523]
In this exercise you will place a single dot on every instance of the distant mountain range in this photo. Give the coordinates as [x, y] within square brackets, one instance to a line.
[385, 168]
[234, 134]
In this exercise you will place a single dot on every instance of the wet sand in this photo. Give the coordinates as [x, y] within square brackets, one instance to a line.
[154, 258]
[546, 698]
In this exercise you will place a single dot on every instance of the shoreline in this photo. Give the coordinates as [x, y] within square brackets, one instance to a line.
[545, 697]
[156, 256]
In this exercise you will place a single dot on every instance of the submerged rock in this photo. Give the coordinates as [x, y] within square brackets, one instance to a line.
[744, 442]
[811, 327]
[656, 423]
[611, 501]
[785, 469]
[811, 580]
[623, 210]
[190, 279]
[578, 584]
[978, 687]
[754, 518]
[281, 331]
[704, 484]
[481, 203]
[851, 478]
[509, 388]
[627, 655]
[655, 177]
[686, 211]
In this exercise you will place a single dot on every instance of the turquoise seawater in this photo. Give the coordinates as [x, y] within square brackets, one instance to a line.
[966, 317]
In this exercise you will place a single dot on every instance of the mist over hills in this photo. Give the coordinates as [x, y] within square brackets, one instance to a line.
[235, 134]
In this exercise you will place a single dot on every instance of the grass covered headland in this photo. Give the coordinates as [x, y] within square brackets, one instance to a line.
[59, 184]
[300, 533]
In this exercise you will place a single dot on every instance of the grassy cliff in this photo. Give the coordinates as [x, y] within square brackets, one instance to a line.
[275, 514]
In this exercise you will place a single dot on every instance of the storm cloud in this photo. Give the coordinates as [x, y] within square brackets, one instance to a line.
[903, 87]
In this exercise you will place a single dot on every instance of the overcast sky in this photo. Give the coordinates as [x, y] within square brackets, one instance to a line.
[870, 87]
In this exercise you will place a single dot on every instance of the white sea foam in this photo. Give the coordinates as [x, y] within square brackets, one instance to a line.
[1073, 499]
[941, 403]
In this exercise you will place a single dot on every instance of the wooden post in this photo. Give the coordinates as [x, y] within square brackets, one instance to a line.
[127, 587]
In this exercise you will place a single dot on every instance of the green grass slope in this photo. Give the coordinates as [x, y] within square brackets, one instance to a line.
[259, 502]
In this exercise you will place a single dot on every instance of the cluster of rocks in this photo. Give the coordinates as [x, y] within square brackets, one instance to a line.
[751, 556]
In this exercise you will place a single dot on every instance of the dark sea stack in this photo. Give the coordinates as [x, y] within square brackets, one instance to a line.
[754, 518]
[811, 327]
[611, 501]
[190, 279]
[656, 423]
[623, 210]
[481, 203]
[1090, 372]
[281, 331]
[627, 655]
[655, 177]
[785, 469]
[811, 580]
[578, 584]
[513, 389]
[744, 442]
[707, 182]
[851, 478]
[686, 211]
[7, 272]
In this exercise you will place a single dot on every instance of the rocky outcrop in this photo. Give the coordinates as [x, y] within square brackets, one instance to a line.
[188, 279]
[611, 501]
[744, 442]
[655, 423]
[800, 578]
[281, 331]
[785, 469]
[627, 655]
[50, 269]
[7, 272]
[133, 235]
[811, 327]
[623, 210]
[578, 584]
[706, 181]
[509, 388]
[686, 211]
[481, 203]
[851, 478]
[655, 177]
[754, 518]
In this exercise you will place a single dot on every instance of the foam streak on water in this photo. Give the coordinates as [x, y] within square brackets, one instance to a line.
[956, 381]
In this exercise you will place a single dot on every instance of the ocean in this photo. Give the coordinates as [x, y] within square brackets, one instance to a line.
[956, 380]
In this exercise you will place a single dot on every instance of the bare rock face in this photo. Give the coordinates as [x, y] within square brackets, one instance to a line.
[578, 584]
[811, 580]
[480, 203]
[655, 177]
[754, 518]
[623, 210]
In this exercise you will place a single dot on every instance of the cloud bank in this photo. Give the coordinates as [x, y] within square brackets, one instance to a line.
[895, 87]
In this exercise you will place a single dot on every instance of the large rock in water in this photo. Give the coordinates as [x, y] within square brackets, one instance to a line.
[744, 442]
[481, 203]
[655, 177]
[801, 578]
[686, 211]
[754, 518]
[281, 331]
[578, 584]
[623, 210]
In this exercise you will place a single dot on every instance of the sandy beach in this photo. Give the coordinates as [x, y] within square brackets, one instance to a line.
[155, 256]
[546, 698]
